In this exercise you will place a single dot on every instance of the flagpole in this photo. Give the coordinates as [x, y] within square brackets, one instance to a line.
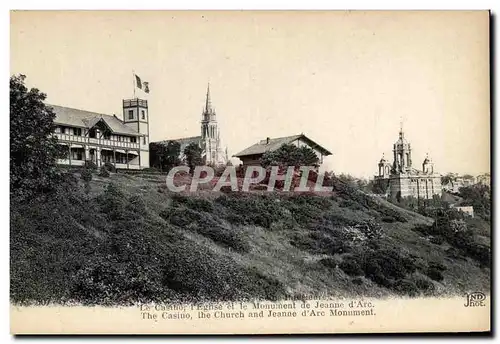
[133, 81]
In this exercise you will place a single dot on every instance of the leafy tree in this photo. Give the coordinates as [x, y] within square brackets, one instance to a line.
[165, 156]
[33, 148]
[193, 156]
[479, 197]
[290, 155]
[447, 178]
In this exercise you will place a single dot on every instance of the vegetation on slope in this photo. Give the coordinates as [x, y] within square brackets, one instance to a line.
[126, 242]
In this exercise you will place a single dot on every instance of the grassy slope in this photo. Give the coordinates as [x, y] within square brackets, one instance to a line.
[271, 253]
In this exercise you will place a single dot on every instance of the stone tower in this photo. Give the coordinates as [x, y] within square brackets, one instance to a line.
[428, 165]
[402, 154]
[136, 116]
[210, 134]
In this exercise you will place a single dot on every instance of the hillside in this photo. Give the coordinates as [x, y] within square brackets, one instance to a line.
[131, 240]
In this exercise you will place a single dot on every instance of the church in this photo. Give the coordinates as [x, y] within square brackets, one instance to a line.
[400, 179]
[209, 140]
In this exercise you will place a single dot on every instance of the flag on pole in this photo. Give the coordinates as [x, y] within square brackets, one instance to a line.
[142, 85]
[138, 82]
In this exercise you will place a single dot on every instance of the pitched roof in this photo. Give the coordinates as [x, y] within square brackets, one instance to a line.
[264, 146]
[87, 119]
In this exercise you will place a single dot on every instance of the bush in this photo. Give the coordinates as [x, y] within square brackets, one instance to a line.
[435, 274]
[425, 286]
[328, 262]
[109, 167]
[248, 209]
[86, 175]
[205, 225]
[438, 240]
[351, 267]
[435, 271]
[194, 203]
[320, 243]
[151, 169]
[103, 172]
[89, 164]
[406, 287]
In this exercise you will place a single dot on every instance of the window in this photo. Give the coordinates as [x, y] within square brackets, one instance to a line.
[130, 114]
[92, 133]
[144, 140]
[63, 130]
[133, 139]
[143, 114]
[107, 135]
[77, 131]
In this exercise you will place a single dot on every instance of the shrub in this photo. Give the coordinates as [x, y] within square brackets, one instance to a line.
[194, 203]
[320, 242]
[425, 285]
[109, 167]
[405, 287]
[328, 262]
[351, 267]
[248, 209]
[438, 239]
[89, 164]
[388, 219]
[205, 225]
[86, 175]
[435, 271]
[435, 274]
[103, 172]
[357, 280]
[150, 169]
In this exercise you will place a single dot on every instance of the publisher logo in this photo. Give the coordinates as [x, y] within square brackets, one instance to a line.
[475, 299]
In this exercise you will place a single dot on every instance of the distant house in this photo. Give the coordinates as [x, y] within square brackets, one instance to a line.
[469, 210]
[252, 154]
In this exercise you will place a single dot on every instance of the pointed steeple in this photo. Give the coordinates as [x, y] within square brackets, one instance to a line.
[401, 134]
[208, 102]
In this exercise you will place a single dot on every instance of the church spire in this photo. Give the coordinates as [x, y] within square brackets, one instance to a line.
[208, 102]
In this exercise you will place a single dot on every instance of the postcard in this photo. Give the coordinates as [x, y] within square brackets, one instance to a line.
[250, 172]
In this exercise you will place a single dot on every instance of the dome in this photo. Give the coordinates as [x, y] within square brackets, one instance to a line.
[427, 160]
[383, 161]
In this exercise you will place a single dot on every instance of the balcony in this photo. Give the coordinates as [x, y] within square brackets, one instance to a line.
[135, 102]
[96, 141]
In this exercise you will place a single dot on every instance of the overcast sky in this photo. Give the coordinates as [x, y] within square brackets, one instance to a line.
[345, 79]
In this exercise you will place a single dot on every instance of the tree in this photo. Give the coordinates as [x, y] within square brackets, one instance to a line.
[447, 178]
[33, 147]
[290, 155]
[165, 156]
[193, 156]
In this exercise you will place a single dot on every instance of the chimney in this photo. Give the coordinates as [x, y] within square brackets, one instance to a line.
[267, 140]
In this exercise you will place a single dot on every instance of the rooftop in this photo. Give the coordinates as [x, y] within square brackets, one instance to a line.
[87, 119]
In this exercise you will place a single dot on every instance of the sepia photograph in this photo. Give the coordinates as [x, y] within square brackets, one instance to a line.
[250, 172]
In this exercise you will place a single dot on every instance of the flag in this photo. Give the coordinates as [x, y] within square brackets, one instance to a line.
[142, 85]
[138, 82]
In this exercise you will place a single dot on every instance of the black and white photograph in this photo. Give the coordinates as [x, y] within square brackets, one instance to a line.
[249, 172]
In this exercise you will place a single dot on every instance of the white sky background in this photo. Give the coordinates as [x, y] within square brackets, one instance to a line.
[344, 79]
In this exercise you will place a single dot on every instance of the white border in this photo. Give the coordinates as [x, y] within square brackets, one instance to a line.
[493, 5]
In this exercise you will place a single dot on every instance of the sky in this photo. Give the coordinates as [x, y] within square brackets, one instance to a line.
[346, 79]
